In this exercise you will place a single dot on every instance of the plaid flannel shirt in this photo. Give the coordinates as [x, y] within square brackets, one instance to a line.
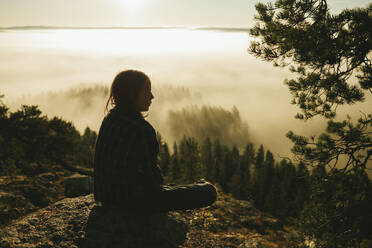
[126, 171]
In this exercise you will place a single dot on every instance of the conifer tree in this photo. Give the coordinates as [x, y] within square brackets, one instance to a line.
[175, 169]
[248, 155]
[165, 158]
[330, 53]
[239, 184]
[233, 166]
[236, 183]
[164, 155]
[207, 159]
[257, 176]
[191, 160]
[217, 161]
[181, 158]
[273, 198]
[246, 167]
[287, 177]
[267, 177]
[226, 167]
[235, 157]
[260, 157]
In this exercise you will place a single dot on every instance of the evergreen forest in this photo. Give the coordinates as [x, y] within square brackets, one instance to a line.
[31, 143]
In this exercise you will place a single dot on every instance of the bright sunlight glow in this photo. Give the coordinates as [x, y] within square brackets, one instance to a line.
[139, 41]
[131, 4]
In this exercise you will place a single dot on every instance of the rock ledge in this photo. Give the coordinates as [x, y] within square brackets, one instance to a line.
[77, 222]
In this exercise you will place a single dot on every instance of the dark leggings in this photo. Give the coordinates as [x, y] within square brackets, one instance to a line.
[177, 197]
[187, 196]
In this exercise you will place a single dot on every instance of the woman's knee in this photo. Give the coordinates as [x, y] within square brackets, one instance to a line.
[211, 193]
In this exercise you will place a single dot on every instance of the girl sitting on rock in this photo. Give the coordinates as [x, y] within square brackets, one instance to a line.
[126, 171]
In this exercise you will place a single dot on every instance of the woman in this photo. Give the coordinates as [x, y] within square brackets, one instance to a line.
[126, 172]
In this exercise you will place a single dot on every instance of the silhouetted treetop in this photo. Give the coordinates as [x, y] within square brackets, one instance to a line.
[325, 50]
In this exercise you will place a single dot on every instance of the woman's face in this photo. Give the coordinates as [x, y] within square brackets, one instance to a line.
[144, 97]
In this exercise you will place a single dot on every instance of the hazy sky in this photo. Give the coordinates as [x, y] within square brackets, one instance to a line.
[222, 13]
[214, 64]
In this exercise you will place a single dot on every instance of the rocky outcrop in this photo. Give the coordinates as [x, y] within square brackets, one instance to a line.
[22, 194]
[78, 222]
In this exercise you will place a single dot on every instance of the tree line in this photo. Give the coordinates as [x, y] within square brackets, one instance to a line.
[30, 142]
[278, 187]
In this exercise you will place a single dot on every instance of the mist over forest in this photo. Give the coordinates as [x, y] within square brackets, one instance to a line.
[177, 111]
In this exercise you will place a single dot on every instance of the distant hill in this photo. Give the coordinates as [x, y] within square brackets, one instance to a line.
[220, 29]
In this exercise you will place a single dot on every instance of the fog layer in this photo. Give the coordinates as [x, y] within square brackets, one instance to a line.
[187, 68]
